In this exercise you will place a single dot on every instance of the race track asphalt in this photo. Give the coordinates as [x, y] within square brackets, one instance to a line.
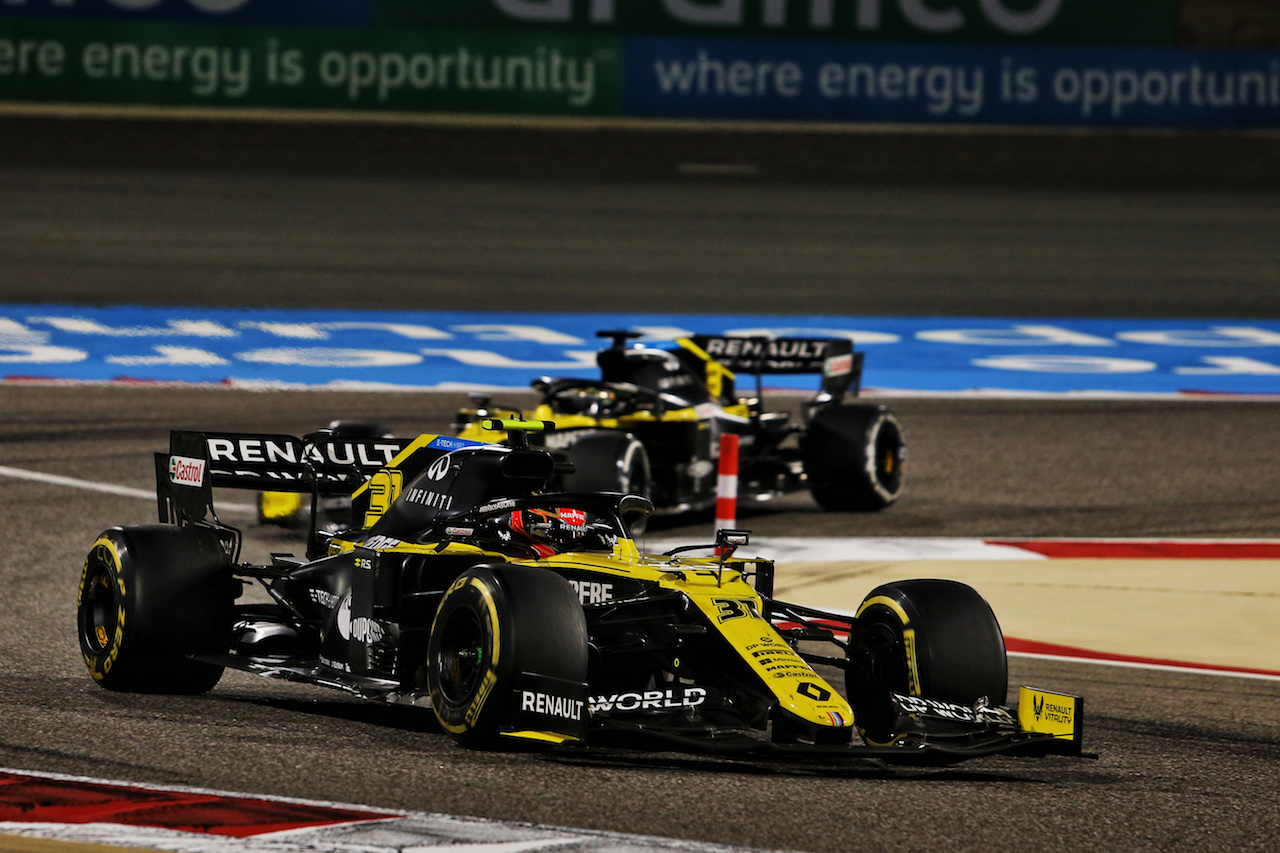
[1187, 761]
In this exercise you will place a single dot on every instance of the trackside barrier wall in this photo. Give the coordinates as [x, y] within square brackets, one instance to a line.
[1140, 63]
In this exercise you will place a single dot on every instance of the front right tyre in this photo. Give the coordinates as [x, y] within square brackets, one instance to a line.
[932, 638]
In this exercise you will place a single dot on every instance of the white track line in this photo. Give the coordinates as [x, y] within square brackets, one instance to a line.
[823, 549]
[1190, 669]
[105, 488]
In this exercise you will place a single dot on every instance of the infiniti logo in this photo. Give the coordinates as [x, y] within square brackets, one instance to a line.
[439, 468]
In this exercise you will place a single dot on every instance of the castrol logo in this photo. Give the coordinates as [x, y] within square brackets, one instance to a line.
[186, 471]
[838, 365]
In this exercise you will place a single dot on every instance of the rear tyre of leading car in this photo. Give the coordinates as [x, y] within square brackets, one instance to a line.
[495, 623]
[150, 596]
[608, 461]
[933, 638]
[853, 457]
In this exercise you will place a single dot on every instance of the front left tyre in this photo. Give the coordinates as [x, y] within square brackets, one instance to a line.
[495, 623]
[151, 596]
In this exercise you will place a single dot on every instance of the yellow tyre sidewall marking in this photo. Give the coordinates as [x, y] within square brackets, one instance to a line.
[909, 649]
[908, 639]
[491, 673]
[109, 555]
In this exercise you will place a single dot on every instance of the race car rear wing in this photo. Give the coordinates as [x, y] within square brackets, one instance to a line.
[320, 463]
[834, 358]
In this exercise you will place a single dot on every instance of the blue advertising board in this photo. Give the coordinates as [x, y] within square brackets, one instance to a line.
[459, 351]
[950, 83]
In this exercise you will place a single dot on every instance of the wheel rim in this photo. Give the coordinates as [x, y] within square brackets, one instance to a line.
[460, 662]
[888, 459]
[889, 663]
[99, 611]
[636, 473]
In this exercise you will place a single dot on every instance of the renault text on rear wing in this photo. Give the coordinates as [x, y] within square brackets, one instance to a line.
[833, 358]
[285, 463]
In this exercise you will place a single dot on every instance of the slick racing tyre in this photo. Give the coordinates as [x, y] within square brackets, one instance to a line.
[608, 461]
[853, 458]
[933, 638]
[494, 623]
[150, 595]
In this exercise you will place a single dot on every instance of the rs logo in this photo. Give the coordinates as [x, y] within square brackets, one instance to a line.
[1038, 704]
[813, 691]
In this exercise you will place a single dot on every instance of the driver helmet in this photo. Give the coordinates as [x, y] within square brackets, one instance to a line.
[590, 400]
[554, 530]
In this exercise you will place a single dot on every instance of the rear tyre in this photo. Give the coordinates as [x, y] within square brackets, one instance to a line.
[150, 595]
[853, 458]
[608, 461]
[493, 624]
[933, 638]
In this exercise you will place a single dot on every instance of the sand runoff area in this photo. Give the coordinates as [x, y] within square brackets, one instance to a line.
[1214, 604]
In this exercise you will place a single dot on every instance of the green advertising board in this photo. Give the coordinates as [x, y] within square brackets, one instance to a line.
[1064, 22]
[547, 73]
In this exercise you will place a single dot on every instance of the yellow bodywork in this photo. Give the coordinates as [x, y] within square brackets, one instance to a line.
[715, 372]
[689, 414]
[1057, 714]
[729, 603]
[281, 506]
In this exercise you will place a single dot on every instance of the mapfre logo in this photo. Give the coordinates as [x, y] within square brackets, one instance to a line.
[186, 471]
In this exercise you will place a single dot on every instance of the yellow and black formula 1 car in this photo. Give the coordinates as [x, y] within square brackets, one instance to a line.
[652, 423]
[519, 614]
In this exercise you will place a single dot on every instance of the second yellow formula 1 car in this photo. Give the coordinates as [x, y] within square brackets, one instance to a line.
[652, 424]
[518, 614]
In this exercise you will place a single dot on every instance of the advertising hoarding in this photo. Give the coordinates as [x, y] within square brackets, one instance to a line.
[454, 71]
[345, 13]
[1141, 63]
[878, 82]
[1036, 21]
